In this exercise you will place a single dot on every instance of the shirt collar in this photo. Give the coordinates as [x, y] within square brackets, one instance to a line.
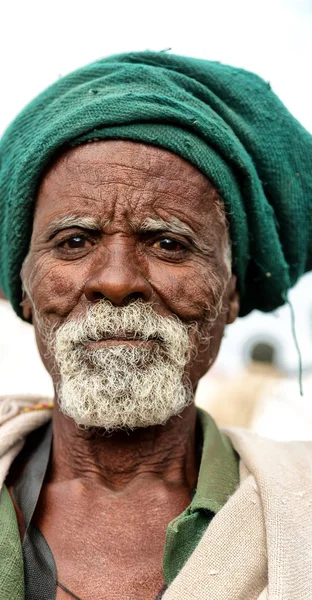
[218, 475]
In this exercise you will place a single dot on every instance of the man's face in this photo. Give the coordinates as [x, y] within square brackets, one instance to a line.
[121, 226]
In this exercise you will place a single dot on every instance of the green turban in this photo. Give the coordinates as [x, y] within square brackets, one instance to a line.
[225, 121]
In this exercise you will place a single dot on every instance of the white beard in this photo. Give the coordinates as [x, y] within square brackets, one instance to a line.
[122, 386]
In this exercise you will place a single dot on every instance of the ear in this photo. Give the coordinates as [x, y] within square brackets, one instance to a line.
[233, 300]
[27, 308]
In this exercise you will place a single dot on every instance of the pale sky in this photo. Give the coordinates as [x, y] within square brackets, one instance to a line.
[39, 41]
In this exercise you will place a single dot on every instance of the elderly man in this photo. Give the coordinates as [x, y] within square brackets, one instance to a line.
[146, 201]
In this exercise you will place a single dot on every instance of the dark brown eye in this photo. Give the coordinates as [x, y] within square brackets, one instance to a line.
[76, 242]
[169, 245]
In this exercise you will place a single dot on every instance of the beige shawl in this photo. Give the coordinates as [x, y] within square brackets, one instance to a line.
[258, 546]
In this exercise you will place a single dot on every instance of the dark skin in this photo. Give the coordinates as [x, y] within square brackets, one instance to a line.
[107, 501]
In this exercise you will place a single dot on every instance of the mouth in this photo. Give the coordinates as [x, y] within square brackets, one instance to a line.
[118, 342]
[125, 340]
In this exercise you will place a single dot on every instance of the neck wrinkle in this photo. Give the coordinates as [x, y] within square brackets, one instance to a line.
[166, 452]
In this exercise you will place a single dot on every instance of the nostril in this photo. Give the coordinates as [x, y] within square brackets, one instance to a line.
[132, 298]
[98, 296]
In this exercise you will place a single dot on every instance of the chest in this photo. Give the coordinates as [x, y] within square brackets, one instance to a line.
[105, 549]
[99, 567]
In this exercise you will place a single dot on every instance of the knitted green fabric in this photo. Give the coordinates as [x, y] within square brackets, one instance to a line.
[223, 120]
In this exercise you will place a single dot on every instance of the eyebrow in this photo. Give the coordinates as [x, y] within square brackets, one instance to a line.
[174, 225]
[68, 221]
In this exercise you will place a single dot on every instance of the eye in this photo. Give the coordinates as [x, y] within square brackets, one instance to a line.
[169, 244]
[75, 242]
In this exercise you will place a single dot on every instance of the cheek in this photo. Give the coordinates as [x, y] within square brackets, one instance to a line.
[56, 289]
[55, 293]
[192, 293]
[185, 291]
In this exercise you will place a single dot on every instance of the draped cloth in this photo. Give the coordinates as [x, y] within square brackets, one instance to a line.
[257, 546]
[225, 121]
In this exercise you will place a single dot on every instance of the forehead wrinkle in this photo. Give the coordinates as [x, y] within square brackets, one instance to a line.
[161, 176]
[155, 169]
[93, 191]
[97, 173]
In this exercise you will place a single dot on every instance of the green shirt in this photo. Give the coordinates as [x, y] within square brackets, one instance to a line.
[217, 479]
[11, 557]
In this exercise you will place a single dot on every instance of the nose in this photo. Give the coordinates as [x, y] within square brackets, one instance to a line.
[117, 278]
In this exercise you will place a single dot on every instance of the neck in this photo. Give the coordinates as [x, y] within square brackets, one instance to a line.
[167, 452]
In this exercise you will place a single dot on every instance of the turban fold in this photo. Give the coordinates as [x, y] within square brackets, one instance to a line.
[225, 121]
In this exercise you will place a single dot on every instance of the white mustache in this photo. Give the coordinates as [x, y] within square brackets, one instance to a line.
[137, 321]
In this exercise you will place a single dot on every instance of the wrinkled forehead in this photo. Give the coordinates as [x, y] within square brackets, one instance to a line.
[133, 178]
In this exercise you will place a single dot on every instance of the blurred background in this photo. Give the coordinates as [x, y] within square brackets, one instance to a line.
[255, 381]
